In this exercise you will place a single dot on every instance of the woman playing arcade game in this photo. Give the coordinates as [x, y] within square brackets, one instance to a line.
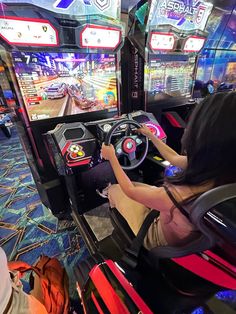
[209, 143]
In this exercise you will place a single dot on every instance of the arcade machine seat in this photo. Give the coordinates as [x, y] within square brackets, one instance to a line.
[189, 275]
[213, 214]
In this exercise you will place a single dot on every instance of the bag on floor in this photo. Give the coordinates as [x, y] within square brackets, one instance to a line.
[50, 283]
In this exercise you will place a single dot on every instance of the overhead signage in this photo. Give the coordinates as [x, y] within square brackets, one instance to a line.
[183, 14]
[108, 8]
[28, 32]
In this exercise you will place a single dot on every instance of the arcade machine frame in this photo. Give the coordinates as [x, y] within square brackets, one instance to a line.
[163, 36]
[151, 273]
[61, 32]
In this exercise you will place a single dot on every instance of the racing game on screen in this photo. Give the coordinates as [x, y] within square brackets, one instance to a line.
[60, 84]
[170, 75]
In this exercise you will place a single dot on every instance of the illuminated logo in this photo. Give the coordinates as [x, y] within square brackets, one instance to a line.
[65, 4]
[176, 6]
[200, 14]
[184, 11]
[102, 4]
[45, 28]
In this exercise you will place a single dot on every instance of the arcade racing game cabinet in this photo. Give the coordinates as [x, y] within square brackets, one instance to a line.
[8, 102]
[121, 276]
[66, 59]
[165, 38]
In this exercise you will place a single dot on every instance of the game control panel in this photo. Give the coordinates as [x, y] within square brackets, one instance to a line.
[74, 145]
[78, 144]
[79, 153]
[140, 116]
[150, 121]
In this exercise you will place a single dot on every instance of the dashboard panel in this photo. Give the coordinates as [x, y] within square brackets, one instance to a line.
[78, 144]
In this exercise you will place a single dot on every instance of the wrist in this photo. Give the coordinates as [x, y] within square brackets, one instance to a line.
[151, 136]
[113, 158]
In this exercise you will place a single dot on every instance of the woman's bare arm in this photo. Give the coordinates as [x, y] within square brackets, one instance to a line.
[166, 151]
[147, 195]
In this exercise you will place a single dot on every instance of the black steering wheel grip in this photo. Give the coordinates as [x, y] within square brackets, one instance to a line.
[111, 132]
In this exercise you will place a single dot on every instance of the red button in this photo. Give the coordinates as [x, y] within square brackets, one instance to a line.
[129, 145]
[153, 130]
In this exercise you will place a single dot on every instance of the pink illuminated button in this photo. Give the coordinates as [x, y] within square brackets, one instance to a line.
[153, 128]
[156, 130]
[129, 145]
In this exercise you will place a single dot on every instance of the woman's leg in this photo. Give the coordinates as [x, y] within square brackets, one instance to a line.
[135, 213]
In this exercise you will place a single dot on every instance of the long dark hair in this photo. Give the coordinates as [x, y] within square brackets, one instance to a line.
[210, 142]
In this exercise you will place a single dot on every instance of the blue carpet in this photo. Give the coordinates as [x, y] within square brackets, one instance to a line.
[27, 228]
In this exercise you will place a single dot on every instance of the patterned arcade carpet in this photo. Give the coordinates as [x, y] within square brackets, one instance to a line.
[27, 228]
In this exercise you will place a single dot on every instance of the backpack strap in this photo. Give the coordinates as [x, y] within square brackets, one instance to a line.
[21, 267]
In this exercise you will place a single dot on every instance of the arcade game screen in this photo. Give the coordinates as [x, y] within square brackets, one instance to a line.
[169, 77]
[217, 65]
[61, 84]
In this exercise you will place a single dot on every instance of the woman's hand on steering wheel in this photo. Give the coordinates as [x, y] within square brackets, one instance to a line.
[126, 147]
[144, 130]
[108, 152]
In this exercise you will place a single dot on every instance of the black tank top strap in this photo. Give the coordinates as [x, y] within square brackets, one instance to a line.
[175, 202]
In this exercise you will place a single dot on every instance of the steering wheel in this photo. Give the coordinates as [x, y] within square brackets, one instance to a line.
[127, 145]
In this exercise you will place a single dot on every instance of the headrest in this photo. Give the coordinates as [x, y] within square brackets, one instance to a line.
[208, 201]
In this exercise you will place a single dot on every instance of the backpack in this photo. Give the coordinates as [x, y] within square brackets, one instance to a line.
[49, 282]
